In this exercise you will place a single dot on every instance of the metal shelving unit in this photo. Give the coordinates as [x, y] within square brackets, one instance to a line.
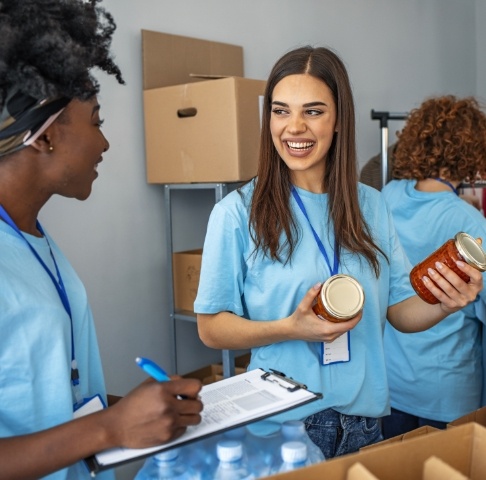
[220, 190]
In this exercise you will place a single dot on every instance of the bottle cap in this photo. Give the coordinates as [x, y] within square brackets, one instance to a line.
[229, 450]
[293, 452]
[293, 429]
[342, 296]
[471, 251]
[168, 455]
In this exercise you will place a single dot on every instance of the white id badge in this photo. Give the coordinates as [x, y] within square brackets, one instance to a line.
[336, 352]
[90, 405]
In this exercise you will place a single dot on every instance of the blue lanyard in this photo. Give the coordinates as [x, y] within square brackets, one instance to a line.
[449, 184]
[61, 290]
[334, 269]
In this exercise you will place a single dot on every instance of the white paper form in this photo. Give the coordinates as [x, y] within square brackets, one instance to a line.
[229, 403]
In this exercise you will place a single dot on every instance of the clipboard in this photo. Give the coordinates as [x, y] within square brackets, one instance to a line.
[228, 403]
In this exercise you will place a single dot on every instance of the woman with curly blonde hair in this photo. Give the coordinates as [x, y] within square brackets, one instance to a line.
[436, 376]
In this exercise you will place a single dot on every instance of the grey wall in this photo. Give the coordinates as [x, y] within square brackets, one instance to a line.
[397, 53]
[480, 49]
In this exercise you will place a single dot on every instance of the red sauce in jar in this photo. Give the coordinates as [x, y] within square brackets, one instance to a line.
[462, 247]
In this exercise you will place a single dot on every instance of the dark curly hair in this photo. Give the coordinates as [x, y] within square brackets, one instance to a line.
[445, 137]
[49, 46]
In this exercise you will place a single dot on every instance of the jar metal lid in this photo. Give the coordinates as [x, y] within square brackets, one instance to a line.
[471, 251]
[342, 296]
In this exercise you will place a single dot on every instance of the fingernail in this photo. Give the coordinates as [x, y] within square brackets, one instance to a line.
[431, 272]
[317, 286]
[460, 264]
[425, 279]
[439, 265]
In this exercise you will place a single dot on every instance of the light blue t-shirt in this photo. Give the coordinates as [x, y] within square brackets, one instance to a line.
[438, 373]
[257, 288]
[35, 342]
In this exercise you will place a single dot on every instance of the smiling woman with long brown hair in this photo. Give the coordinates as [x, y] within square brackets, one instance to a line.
[303, 219]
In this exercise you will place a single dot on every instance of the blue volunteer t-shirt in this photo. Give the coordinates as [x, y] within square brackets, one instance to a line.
[35, 342]
[234, 279]
[437, 373]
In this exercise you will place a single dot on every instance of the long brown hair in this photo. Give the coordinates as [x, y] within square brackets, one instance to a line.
[270, 212]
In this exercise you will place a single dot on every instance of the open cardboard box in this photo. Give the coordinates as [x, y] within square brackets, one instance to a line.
[462, 448]
[202, 117]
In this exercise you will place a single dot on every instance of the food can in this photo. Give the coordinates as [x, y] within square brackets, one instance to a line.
[462, 247]
[341, 298]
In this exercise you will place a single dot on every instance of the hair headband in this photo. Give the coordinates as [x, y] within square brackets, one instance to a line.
[24, 118]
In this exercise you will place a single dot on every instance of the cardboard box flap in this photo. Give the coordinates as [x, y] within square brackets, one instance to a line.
[359, 472]
[162, 54]
[437, 469]
[203, 76]
[478, 416]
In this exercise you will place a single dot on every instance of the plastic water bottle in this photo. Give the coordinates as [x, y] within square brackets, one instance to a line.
[232, 465]
[200, 456]
[264, 451]
[166, 465]
[294, 456]
[294, 430]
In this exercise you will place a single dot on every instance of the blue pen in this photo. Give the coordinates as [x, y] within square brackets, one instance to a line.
[150, 367]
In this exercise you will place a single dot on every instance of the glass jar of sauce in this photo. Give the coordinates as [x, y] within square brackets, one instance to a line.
[341, 298]
[462, 247]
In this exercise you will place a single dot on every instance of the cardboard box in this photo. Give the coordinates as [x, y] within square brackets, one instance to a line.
[214, 372]
[198, 129]
[425, 430]
[186, 269]
[478, 416]
[462, 448]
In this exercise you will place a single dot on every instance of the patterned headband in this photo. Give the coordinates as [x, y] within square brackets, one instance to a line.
[24, 118]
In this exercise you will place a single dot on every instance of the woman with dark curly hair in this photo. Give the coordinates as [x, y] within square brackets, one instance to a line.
[303, 219]
[51, 143]
[436, 376]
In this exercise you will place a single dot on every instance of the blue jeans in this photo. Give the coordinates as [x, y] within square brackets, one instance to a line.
[338, 434]
[400, 422]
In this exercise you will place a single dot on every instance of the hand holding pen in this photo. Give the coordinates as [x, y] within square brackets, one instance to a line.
[153, 413]
[155, 371]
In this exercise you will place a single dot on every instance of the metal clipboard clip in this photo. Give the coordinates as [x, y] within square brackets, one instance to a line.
[283, 381]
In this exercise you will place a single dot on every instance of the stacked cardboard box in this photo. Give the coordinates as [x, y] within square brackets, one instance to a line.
[202, 117]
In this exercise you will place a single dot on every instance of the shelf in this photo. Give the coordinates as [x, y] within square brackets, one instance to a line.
[220, 190]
